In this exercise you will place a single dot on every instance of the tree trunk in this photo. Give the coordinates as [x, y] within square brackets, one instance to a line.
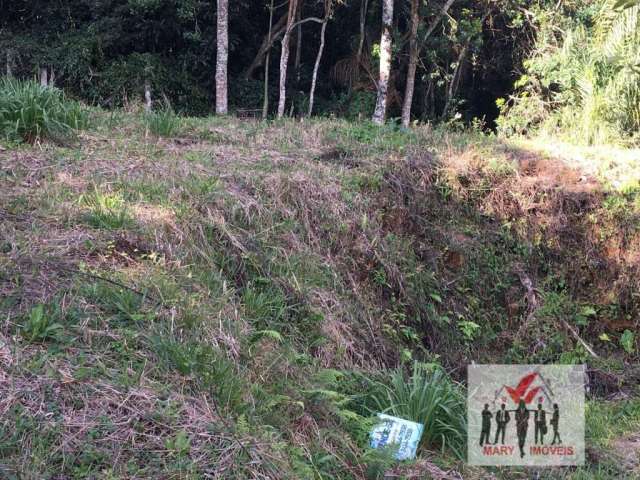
[298, 45]
[363, 21]
[413, 62]
[453, 85]
[436, 20]
[385, 62]
[147, 96]
[317, 65]
[9, 64]
[265, 103]
[222, 56]
[284, 56]
[43, 76]
[265, 47]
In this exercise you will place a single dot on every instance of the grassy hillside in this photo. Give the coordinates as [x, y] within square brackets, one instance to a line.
[234, 299]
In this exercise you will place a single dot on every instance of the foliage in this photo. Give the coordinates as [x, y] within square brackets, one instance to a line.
[162, 123]
[211, 371]
[245, 326]
[429, 397]
[106, 211]
[40, 325]
[105, 52]
[627, 341]
[31, 112]
[586, 84]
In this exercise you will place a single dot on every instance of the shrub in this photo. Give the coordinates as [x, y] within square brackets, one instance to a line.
[31, 112]
[429, 397]
[587, 86]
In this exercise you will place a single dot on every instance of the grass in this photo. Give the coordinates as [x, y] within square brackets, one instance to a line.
[106, 211]
[31, 112]
[428, 397]
[241, 301]
[162, 123]
[40, 325]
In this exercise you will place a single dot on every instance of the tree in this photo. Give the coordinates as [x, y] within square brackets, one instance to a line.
[413, 62]
[379, 114]
[275, 31]
[222, 55]
[284, 56]
[414, 52]
[265, 102]
[328, 6]
[364, 4]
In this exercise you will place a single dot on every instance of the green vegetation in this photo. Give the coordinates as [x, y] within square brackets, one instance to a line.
[187, 296]
[30, 112]
[106, 211]
[586, 84]
[40, 325]
[245, 307]
[429, 397]
[163, 123]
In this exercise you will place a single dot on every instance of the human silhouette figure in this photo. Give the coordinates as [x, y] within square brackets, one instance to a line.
[540, 420]
[522, 424]
[502, 418]
[555, 420]
[486, 425]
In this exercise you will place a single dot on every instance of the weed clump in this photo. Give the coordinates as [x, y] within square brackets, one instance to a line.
[30, 112]
[106, 211]
[162, 123]
[429, 397]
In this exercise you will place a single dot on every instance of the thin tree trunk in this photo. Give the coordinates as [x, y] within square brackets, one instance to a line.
[9, 63]
[436, 20]
[43, 77]
[453, 85]
[414, 51]
[379, 114]
[147, 96]
[265, 47]
[318, 58]
[265, 104]
[284, 56]
[222, 57]
[298, 46]
[363, 20]
[413, 62]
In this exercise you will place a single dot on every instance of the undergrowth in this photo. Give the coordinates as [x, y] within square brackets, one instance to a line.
[241, 301]
[31, 112]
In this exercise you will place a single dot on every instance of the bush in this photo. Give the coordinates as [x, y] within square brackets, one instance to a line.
[31, 112]
[588, 86]
[429, 397]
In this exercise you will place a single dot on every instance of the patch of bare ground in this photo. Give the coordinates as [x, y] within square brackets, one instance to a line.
[627, 451]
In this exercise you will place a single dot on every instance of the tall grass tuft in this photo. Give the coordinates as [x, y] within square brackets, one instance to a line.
[106, 211]
[429, 397]
[162, 123]
[30, 112]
